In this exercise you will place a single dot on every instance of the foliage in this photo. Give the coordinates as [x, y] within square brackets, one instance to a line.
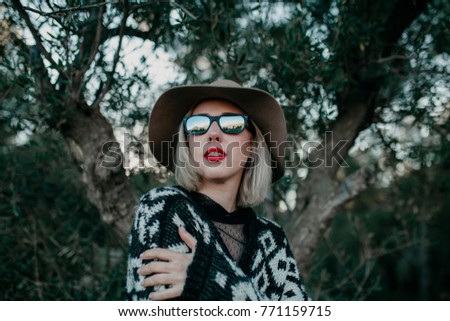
[398, 233]
[53, 244]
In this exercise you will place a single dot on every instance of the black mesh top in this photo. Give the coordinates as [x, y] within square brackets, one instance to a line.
[232, 227]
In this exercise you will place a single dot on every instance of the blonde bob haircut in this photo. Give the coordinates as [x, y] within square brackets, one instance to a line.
[256, 178]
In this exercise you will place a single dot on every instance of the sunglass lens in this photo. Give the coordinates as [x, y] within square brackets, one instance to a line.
[196, 125]
[234, 124]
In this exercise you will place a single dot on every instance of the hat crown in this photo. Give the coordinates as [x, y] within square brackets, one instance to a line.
[225, 83]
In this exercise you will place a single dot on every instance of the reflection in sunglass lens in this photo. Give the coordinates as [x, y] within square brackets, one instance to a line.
[197, 125]
[232, 124]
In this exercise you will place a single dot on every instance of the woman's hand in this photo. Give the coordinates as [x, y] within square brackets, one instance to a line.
[170, 269]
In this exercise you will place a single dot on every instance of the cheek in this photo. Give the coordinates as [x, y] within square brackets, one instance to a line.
[247, 149]
[248, 144]
[243, 150]
[194, 146]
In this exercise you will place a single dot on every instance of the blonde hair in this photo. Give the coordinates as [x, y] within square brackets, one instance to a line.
[256, 178]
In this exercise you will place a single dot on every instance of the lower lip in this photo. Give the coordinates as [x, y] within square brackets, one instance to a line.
[214, 159]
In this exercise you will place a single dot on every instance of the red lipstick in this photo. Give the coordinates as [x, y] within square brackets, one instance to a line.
[214, 154]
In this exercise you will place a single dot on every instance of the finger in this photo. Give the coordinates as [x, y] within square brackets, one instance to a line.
[157, 279]
[171, 293]
[164, 279]
[155, 267]
[187, 238]
[160, 254]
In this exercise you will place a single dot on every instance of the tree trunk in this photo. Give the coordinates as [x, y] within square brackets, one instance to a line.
[321, 194]
[84, 128]
[108, 188]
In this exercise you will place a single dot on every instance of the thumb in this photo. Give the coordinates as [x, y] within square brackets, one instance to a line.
[187, 238]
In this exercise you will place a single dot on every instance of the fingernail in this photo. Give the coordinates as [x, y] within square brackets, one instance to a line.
[141, 255]
[139, 271]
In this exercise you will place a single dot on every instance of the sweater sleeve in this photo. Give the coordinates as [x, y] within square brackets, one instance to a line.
[146, 233]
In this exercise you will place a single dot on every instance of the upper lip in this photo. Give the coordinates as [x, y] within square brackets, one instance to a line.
[215, 151]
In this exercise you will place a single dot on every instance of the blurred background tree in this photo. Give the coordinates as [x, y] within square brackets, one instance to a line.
[364, 87]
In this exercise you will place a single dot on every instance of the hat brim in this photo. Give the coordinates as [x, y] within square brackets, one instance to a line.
[173, 105]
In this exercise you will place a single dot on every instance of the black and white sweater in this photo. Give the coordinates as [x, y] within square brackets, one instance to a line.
[267, 270]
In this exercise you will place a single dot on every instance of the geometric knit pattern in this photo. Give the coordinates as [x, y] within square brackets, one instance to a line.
[266, 271]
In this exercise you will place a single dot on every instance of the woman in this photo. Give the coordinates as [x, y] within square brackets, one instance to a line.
[201, 240]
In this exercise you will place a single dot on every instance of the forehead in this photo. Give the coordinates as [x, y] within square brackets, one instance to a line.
[214, 107]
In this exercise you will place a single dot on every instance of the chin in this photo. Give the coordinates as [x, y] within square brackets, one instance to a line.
[217, 175]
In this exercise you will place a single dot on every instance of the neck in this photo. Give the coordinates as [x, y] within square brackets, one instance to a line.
[223, 194]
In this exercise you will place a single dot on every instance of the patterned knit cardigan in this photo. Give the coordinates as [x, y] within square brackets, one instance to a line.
[266, 271]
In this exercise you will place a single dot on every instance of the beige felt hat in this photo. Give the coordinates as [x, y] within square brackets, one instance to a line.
[173, 105]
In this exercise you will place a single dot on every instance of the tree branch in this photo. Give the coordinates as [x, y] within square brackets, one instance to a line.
[352, 186]
[99, 99]
[131, 32]
[55, 17]
[90, 46]
[18, 6]
[394, 57]
[97, 39]
[85, 7]
[70, 9]
[186, 11]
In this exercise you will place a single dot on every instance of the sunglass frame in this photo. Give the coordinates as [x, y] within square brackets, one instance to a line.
[217, 120]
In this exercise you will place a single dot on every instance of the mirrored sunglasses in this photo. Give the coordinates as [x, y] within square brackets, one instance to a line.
[228, 123]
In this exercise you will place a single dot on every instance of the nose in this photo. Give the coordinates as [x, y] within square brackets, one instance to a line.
[214, 132]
